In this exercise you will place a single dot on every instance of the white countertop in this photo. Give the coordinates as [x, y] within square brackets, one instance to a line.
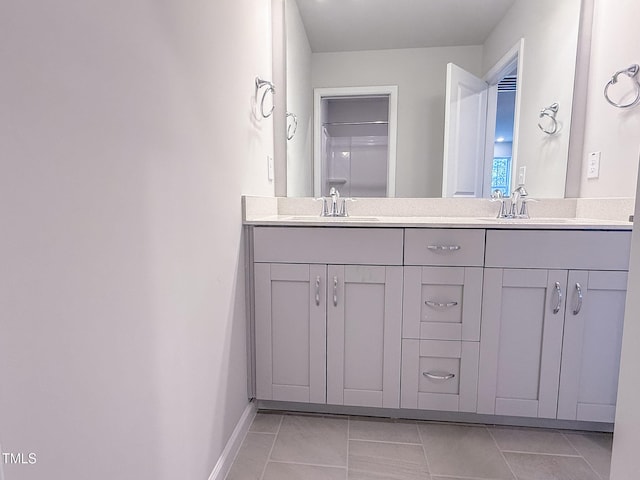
[551, 214]
[439, 222]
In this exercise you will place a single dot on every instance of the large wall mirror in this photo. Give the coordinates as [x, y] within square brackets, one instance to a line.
[523, 51]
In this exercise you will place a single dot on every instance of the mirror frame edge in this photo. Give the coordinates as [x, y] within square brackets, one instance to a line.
[279, 54]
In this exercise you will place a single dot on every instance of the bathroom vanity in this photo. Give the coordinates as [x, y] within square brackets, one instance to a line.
[458, 314]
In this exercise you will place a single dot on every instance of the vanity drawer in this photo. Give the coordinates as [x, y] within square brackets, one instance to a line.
[342, 246]
[568, 249]
[442, 303]
[444, 246]
[439, 375]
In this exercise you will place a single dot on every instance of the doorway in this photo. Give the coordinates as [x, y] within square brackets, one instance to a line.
[503, 134]
[355, 141]
[481, 128]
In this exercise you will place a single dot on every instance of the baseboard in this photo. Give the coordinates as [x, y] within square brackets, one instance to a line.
[223, 465]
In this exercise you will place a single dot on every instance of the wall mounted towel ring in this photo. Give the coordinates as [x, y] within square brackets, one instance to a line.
[550, 112]
[293, 126]
[632, 73]
[269, 87]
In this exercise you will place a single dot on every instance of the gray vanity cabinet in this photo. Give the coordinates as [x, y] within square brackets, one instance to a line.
[530, 333]
[591, 347]
[328, 330]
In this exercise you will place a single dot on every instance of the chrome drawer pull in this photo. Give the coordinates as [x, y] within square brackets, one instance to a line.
[439, 375]
[318, 290]
[440, 305]
[444, 248]
[556, 309]
[335, 291]
[579, 303]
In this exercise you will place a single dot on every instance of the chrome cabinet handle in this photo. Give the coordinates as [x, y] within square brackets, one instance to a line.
[440, 305]
[556, 309]
[439, 375]
[318, 290]
[444, 248]
[335, 291]
[579, 302]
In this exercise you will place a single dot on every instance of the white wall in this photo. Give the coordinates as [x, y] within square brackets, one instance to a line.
[609, 130]
[420, 74]
[550, 30]
[126, 142]
[299, 102]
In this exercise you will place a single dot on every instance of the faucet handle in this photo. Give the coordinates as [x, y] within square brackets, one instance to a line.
[524, 206]
[497, 195]
[325, 208]
[344, 212]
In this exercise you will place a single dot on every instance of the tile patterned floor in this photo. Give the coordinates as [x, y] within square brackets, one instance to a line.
[315, 447]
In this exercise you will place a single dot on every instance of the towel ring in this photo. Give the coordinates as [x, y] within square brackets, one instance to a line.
[550, 112]
[270, 88]
[632, 73]
[293, 126]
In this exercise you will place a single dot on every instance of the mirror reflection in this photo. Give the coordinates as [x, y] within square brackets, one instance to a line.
[453, 136]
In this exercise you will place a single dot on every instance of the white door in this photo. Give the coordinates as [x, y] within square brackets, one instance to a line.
[464, 133]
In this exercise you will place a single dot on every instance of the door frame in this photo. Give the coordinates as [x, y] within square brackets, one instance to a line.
[320, 93]
[513, 58]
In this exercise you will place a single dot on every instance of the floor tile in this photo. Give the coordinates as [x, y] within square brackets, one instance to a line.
[315, 440]
[457, 450]
[291, 471]
[595, 448]
[532, 440]
[252, 457]
[528, 466]
[383, 430]
[392, 461]
[266, 423]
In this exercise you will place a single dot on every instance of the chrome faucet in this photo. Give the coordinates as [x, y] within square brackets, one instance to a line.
[335, 198]
[519, 199]
[518, 207]
[335, 206]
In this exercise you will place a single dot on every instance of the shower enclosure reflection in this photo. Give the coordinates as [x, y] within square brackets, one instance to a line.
[355, 141]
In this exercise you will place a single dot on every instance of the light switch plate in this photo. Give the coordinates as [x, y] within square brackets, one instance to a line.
[593, 165]
[522, 175]
[270, 168]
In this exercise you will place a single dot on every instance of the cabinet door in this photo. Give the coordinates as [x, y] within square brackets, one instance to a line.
[364, 318]
[591, 347]
[439, 375]
[442, 303]
[290, 303]
[521, 342]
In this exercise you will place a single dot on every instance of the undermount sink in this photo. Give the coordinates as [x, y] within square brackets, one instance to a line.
[317, 218]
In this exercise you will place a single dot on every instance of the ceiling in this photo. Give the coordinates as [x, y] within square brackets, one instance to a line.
[348, 25]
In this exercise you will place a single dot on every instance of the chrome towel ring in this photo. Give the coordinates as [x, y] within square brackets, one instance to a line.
[293, 126]
[270, 88]
[550, 112]
[632, 73]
